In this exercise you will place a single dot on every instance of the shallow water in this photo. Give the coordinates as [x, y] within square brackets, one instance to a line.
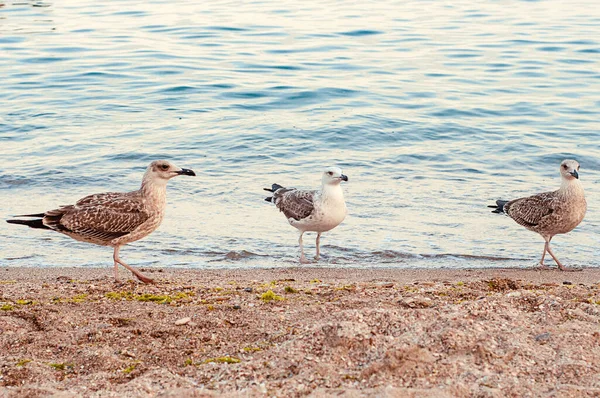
[433, 110]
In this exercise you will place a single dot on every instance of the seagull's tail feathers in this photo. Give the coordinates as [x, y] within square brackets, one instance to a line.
[499, 206]
[39, 215]
[273, 188]
[38, 223]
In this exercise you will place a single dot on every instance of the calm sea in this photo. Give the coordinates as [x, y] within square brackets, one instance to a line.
[433, 109]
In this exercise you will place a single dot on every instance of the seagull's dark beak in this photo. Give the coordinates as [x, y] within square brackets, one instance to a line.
[344, 177]
[574, 173]
[186, 172]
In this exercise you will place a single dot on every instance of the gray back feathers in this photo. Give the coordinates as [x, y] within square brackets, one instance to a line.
[294, 203]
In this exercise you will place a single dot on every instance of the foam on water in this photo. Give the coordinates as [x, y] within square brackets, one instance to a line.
[433, 109]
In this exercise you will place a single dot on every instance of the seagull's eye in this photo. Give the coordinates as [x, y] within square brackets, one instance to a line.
[164, 166]
[330, 173]
[578, 167]
[565, 166]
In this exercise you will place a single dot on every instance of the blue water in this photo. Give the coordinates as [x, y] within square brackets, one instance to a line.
[433, 109]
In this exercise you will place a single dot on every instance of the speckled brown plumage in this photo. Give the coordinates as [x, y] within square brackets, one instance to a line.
[550, 213]
[114, 218]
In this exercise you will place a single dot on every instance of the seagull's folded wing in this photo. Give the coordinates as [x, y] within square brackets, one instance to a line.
[100, 217]
[532, 210]
[295, 204]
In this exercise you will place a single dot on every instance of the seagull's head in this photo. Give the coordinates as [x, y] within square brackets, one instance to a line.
[569, 169]
[164, 170]
[333, 176]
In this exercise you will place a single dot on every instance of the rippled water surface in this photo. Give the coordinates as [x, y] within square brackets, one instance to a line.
[433, 109]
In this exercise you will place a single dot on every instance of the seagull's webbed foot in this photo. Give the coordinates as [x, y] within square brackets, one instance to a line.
[542, 266]
[134, 271]
[570, 269]
[144, 278]
[304, 260]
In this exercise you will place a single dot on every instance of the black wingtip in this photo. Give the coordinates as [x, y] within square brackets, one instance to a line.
[499, 206]
[269, 199]
[39, 223]
[273, 188]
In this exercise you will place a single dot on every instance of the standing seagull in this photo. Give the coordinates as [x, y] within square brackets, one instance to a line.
[114, 218]
[317, 211]
[550, 213]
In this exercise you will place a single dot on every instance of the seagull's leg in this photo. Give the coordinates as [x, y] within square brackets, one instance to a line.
[303, 259]
[562, 267]
[135, 272]
[116, 266]
[542, 266]
[318, 246]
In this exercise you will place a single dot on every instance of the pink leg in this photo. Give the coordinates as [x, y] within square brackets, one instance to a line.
[542, 266]
[318, 246]
[562, 267]
[303, 259]
[135, 272]
[116, 272]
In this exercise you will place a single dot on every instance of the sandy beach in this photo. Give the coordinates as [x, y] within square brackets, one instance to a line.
[69, 332]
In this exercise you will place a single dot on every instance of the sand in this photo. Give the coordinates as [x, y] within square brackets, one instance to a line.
[70, 332]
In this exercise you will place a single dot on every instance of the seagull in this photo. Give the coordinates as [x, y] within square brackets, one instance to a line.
[114, 218]
[317, 211]
[550, 213]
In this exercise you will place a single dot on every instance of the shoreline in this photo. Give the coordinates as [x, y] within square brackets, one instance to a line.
[400, 275]
[299, 331]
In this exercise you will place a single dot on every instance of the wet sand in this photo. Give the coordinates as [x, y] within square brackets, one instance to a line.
[300, 331]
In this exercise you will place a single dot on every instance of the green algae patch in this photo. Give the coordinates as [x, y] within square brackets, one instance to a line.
[268, 285]
[131, 367]
[25, 302]
[156, 298]
[223, 360]
[23, 362]
[270, 296]
[148, 297]
[80, 298]
[251, 349]
[289, 289]
[6, 307]
[119, 296]
[62, 366]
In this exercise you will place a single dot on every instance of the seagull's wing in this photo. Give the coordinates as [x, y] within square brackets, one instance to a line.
[532, 210]
[100, 217]
[294, 203]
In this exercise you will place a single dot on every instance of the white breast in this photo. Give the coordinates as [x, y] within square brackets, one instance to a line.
[330, 210]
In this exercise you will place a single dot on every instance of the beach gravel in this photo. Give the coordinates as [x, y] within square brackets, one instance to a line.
[71, 332]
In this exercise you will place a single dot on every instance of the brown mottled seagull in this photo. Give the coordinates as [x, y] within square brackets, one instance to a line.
[550, 213]
[317, 211]
[114, 218]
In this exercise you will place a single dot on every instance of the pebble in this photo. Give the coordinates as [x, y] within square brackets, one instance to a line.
[183, 321]
[416, 302]
[126, 353]
[567, 283]
[385, 284]
[543, 338]
[237, 307]
[248, 289]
